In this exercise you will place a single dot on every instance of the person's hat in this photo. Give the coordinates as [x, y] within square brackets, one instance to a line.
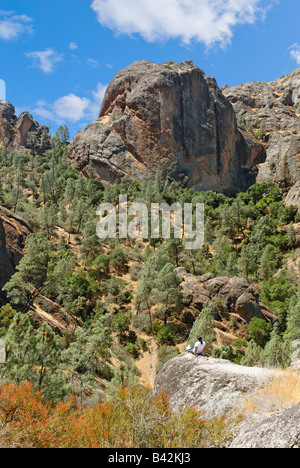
[199, 337]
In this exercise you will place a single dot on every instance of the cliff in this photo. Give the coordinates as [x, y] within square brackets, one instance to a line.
[170, 116]
[274, 108]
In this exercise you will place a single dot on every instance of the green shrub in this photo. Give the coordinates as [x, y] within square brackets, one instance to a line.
[168, 334]
[132, 349]
[260, 331]
[7, 314]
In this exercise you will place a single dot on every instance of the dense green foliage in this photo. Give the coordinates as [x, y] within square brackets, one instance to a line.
[118, 288]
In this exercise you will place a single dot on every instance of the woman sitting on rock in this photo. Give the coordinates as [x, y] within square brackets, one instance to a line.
[199, 347]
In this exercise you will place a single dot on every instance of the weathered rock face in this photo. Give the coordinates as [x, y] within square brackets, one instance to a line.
[277, 104]
[219, 387]
[13, 233]
[170, 116]
[14, 130]
[213, 385]
[279, 430]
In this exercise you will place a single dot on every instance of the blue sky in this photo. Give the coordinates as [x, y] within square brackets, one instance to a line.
[57, 56]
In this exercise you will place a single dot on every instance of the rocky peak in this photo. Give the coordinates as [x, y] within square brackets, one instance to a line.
[171, 116]
[14, 130]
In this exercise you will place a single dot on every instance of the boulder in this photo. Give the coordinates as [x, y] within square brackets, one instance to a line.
[212, 385]
[236, 296]
[247, 306]
[221, 388]
[169, 116]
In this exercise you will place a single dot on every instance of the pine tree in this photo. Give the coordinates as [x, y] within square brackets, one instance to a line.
[204, 325]
[34, 358]
[85, 359]
[291, 236]
[165, 291]
[252, 355]
[20, 347]
[31, 273]
[47, 218]
[293, 320]
[277, 352]
[48, 377]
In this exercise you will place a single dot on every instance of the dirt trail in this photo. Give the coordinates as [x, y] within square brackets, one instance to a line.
[147, 363]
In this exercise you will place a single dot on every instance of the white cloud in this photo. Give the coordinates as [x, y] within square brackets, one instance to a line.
[45, 60]
[205, 21]
[92, 63]
[13, 26]
[72, 108]
[73, 45]
[295, 52]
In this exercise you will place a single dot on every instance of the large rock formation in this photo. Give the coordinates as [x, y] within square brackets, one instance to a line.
[14, 130]
[236, 297]
[213, 385]
[170, 116]
[13, 233]
[275, 108]
[219, 388]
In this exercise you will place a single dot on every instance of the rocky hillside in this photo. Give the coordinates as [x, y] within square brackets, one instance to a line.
[272, 110]
[216, 386]
[170, 116]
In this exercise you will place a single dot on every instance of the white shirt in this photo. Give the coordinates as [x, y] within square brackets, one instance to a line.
[200, 347]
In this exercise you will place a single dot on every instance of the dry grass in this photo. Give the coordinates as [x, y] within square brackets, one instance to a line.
[281, 393]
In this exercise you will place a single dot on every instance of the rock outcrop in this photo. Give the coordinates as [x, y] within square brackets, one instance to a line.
[278, 430]
[219, 388]
[13, 233]
[170, 116]
[274, 108]
[43, 310]
[14, 130]
[236, 297]
[213, 385]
